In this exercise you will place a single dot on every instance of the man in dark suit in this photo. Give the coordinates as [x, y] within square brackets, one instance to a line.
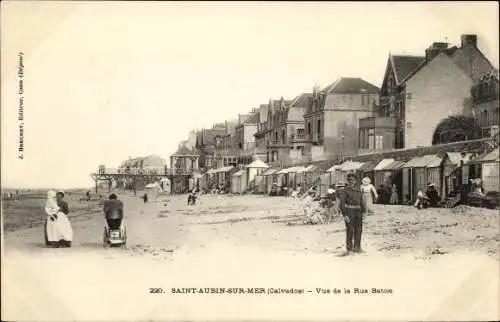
[353, 209]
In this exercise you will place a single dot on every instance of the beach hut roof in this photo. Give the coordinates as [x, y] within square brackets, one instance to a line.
[434, 161]
[350, 166]
[455, 157]
[492, 156]
[151, 186]
[269, 171]
[394, 165]
[287, 170]
[239, 173]
[335, 167]
[368, 166]
[425, 160]
[306, 169]
[224, 169]
[382, 164]
[410, 164]
[257, 164]
[211, 171]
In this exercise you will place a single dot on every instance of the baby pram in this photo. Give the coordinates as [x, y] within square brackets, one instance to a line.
[115, 231]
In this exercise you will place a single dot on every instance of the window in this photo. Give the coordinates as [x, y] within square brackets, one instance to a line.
[379, 142]
[319, 128]
[485, 116]
[362, 100]
[283, 136]
[309, 128]
[371, 139]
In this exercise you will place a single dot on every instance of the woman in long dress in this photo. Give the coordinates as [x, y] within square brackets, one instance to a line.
[369, 194]
[58, 231]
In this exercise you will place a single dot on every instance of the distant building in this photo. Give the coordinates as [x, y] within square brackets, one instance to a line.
[418, 92]
[184, 161]
[260, 134]
[485, 103]
[205, 143]
[143, 165]
[286, 135]
[245, 134]
[332, 116]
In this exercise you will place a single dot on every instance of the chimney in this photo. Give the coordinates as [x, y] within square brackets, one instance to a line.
[469, 40]
[434, 50]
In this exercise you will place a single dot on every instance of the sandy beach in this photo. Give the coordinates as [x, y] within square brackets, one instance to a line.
[430, 264]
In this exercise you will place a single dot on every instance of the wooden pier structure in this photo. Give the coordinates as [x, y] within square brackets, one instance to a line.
[134, 177]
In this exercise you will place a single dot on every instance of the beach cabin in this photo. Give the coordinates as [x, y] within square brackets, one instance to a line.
[390, 174]
[366, 170]
[293, 175]
[332, 174]
[268, 180]
[300, 176]
[253, 174]
[224, 176]
[347, 167]
[435, 173]
[408, 190]
[489, 171]
[211, 179]
[451, 178]
[381, 177]
[417, 175]
[238, 182]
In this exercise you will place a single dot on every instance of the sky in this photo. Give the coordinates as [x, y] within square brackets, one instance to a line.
[107, 80]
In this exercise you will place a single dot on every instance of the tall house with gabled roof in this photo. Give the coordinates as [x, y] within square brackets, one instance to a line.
[331, 117]
[419, 91]
[286, 139]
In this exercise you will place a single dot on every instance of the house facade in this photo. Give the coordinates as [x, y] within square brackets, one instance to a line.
[275, 136]
[245, 134]
[332, 116]
[486, 104]
[419, 91]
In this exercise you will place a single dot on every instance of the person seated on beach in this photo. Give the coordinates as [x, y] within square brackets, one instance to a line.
[113, 210]
[433, 195]
[328, 204]
[422, 200]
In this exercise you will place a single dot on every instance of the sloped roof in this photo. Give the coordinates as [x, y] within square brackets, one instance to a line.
[382, 164]
[253, 119]
[393, 166]
[301, 100]
[492, 156]
[456, 157]
[270, 171]
[368, 166]
[257, 164]
[403, 65]
[350, 165]
[183, 151]
[238, 173]
[351, 85]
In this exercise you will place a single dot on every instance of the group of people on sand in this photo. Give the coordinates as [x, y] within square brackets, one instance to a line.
[58, 229]
[352, 201]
